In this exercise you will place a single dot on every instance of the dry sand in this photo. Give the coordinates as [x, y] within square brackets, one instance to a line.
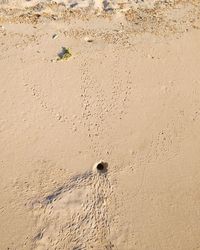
[130, 96]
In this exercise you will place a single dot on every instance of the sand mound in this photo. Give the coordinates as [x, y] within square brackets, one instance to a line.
[75, 216]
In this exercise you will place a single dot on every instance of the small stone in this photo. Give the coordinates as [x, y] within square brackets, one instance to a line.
[150, 56]
[88, 39]
[58, 116]
[54, 36]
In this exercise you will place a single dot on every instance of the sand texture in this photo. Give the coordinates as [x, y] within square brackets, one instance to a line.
[85, 85]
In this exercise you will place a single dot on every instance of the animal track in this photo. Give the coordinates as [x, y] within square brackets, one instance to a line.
[76, 215]
[165, 144]
[101, 103]
[55, 113]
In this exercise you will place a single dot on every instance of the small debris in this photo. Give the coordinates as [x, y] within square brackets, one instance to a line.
[150, 56]
[54, 36]
[58, 116]
[65, 54]
[88, 39]
[38, 236]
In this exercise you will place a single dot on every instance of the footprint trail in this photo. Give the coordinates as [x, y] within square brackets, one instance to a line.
[76, 215]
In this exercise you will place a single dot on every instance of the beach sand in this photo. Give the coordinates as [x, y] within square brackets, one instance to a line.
[127, 96]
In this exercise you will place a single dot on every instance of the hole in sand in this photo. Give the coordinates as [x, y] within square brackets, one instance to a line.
[101, 167]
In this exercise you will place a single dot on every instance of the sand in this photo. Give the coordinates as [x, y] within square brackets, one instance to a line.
[129, 97]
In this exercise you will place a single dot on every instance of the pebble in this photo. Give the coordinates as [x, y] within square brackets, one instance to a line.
[88, 39]
[54, 36]
[58, 116]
